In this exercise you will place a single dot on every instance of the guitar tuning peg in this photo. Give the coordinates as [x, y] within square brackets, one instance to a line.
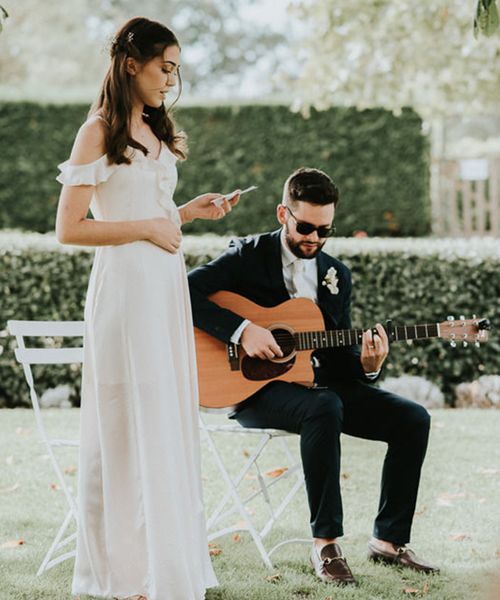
[450, 318]
[453, 344]
[477, 344]
[465, 344]
[474, 316]
[462, 317]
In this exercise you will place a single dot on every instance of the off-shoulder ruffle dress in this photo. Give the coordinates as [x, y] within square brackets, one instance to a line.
[141, 523]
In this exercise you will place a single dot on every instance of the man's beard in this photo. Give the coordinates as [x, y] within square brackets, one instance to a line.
[295, 246]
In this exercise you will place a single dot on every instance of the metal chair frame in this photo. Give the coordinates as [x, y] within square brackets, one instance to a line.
[57, 552]
[234, 501]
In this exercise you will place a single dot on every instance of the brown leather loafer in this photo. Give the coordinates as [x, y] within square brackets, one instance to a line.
[330, 565]
[402, 557]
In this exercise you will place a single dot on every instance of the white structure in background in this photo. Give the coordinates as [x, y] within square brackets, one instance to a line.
[465, 177]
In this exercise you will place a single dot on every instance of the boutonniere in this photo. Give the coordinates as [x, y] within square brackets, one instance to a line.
[331, 280]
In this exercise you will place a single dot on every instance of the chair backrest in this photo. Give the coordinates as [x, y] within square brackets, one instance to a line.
[39, 356]
[44, 356]
[28, 356]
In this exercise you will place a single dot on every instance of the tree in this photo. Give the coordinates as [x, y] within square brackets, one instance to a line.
[395, 53]
[70, 46]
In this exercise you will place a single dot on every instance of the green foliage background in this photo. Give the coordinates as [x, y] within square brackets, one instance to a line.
[379, 161]
[408, 286]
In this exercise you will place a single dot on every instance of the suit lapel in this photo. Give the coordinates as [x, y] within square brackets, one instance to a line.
[275, 266]
[330, 304]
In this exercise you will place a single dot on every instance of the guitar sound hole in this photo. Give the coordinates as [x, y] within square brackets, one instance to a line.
[285, 341]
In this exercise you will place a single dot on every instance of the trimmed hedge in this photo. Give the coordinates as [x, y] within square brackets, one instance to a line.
[379, 161]
[411, 281]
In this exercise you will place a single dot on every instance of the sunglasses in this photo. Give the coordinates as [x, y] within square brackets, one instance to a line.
[305, 228]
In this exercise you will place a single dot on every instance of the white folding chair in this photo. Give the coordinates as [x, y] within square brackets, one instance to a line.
[29, 356]
[236, 502]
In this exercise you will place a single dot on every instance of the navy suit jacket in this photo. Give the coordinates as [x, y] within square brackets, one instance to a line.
[252, 267]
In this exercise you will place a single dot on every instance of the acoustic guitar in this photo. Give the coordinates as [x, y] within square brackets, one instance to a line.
[227, 376]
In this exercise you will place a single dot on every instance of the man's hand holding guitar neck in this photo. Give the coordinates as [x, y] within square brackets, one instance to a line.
[374, 350]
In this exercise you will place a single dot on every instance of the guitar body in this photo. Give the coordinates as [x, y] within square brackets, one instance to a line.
[220, 386]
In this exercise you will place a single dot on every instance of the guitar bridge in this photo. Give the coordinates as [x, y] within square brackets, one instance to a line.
[233, 356]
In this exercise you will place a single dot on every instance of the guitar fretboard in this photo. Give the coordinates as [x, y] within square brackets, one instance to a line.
[311, 340]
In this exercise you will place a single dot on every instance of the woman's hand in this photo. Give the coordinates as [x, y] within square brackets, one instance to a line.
[164, 233]
[202, 207]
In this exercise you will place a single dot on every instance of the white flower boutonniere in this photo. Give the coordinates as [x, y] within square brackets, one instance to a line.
[331, 280]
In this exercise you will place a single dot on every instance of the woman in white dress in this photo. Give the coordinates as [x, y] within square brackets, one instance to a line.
[141, 530]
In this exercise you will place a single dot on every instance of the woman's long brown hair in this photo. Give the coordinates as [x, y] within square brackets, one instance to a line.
[142, 40]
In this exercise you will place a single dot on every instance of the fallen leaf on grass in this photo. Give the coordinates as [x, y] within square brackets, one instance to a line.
[488, 471]
[24, 431]
[12, 544]
[55, 487]
[419, 513]
[70, 470]
[10, 489]
[214, 550]
[345, 475]
[250, 477]
[277, 472]
[241, 525]
[246, 453]
[460, 537]
[273, 578]
[236, 537]
[497, 554]
[446, 499]
[416, 591]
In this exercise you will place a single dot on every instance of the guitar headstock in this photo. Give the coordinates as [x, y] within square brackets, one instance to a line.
[465, 330]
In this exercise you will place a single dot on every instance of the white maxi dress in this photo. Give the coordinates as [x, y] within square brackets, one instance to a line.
[141, 523]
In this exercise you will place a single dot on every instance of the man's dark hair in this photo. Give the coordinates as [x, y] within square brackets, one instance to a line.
[310, 185]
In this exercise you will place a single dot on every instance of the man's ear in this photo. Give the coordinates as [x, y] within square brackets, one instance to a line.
[131, 66]
[281, 213]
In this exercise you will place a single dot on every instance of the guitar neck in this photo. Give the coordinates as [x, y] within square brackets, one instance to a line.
[312, 340]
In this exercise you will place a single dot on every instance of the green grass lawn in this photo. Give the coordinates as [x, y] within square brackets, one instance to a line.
[457, 524]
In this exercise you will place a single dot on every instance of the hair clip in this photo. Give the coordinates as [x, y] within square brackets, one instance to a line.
[130, 37]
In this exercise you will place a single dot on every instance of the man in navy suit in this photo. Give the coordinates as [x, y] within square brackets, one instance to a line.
[269, 269]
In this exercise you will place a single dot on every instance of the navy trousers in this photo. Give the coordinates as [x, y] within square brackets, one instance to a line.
[362, 410]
